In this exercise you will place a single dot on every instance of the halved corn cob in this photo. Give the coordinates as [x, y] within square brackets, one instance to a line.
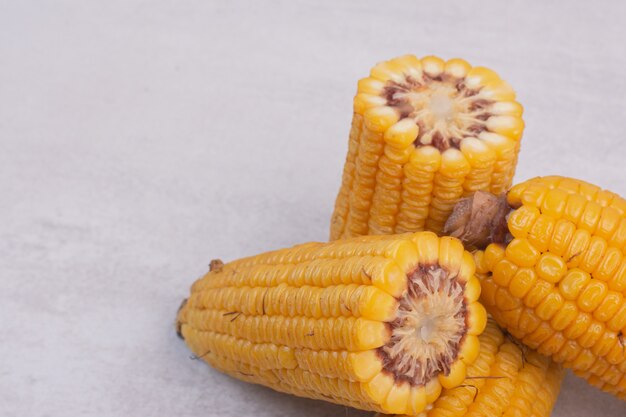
[506, 380]
[379, 323]
[558, 281]
[425, 132]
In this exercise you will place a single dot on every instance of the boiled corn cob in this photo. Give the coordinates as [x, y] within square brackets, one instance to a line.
[379, 323]
[557, 282]
[425, 132]
[507, 380]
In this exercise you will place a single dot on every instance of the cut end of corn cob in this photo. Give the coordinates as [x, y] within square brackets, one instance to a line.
[429, 327]
[380, 323]
[449, 106]
[425, 133]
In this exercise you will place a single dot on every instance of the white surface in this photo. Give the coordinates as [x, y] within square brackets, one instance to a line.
[140, 139]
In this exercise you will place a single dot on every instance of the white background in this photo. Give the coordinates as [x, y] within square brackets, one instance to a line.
[140, 139]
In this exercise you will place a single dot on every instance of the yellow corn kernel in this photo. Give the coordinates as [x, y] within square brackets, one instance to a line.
[591, 335]
[561, 237]
[522, 220]
[522, 253]
[398, 399]
[618, 281]
[590, 217]
[492, 256]
[505, 302]
[505, 272]
[522, 282]
[417, 400]
[593, 254]
[592, 295]
[574, 208]
[472, 289]
[573, 283]
[564, 316]
[618, 239]
[470, 349]
[579, 326]
[370, 86]
[401, 134]
[477, 319]
[541, 334]
[457, 68]
[554, 203]
[455, 376]
[608, 307]
[433, 66]
[608, 265]
[451, 254]
[549, 306]
[541, 232]
[550, 268]
[379, 387]
[618, 322]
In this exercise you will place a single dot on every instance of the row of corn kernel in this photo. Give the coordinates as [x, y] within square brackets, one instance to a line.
[340, 213]
[310, 381]
[574, 218]
[507, 151]
[310, 385]
[482, 160]
[354, 366]
[447, 188]
[282, 300]
[347, 333]
[360, 198]
[417, 191]
[387, 197]
[363, 246]
[531, 191]
[319, 272]
[262, 355]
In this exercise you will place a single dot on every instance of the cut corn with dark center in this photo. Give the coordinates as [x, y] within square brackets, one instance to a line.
[443, 107]
[425, 133]
[558, 282]
[429, 327]
[380, 323]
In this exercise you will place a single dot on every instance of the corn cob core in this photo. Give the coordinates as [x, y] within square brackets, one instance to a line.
[380, 323]
[425, 133]
[443, 107]
[428, 328]
[557, 280]
[507, 380]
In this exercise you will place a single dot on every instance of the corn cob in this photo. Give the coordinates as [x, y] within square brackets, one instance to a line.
[557, 279]
[424, 134]
[380, 323]
[506, 380]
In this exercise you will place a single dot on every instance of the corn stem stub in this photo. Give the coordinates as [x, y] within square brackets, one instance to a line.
[425, 132]
[379, 323]
[506, 380]
[555, 277]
